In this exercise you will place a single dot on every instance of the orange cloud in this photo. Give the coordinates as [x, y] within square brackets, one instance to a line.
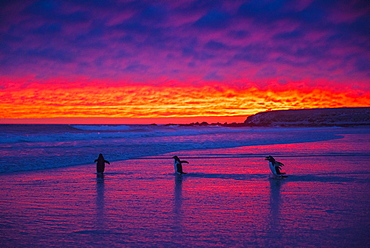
[40, 101]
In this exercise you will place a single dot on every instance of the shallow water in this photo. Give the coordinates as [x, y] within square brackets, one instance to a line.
[33, 147]
[227, 199]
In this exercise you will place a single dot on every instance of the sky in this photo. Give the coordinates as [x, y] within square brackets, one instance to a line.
[175, 61]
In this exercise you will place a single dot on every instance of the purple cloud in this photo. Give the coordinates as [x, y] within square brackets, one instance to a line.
[187, 41]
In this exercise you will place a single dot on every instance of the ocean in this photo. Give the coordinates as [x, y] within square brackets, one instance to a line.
[52, 197]
[34, 147]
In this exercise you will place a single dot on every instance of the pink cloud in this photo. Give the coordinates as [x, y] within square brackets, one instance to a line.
[240, 43]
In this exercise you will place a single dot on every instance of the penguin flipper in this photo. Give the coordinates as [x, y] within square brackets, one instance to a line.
[279, 163]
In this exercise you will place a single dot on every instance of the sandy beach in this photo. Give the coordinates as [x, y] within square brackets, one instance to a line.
[227, 199]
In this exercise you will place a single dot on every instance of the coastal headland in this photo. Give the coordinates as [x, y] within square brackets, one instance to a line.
[321, 117]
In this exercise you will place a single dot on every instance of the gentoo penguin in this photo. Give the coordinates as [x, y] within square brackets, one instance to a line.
[100, 165]
[275, 166]
[178, 165]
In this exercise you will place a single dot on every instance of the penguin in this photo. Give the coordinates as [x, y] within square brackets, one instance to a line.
[100, 165]
[275, 166]
[178, 165]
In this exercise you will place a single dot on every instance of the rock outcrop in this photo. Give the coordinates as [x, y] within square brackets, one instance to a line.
[312, 117]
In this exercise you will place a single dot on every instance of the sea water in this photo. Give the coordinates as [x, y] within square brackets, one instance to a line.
[227, 198]
[33, 147]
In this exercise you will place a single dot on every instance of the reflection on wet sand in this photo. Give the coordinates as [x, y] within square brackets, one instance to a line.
[177, 208]
[178, 195]
[274, 229]
[100, 204]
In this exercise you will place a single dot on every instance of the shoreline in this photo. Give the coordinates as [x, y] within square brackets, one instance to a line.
[337, 134]
[249, 151]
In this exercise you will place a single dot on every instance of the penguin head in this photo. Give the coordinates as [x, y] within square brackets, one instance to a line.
[176, 158]
[270, 158]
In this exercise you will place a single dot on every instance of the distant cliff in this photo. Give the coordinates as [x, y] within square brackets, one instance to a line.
[312, 117]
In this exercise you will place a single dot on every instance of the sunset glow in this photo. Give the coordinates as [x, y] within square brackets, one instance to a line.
[161, 101]
[181, 59]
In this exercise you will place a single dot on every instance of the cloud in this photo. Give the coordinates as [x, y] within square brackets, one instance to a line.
[97, 100]
[187, 41]
[213, 20]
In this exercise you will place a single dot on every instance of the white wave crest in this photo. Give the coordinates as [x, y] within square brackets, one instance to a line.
[103, 127]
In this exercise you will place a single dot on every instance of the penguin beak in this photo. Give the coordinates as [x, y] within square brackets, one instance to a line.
[268, 158]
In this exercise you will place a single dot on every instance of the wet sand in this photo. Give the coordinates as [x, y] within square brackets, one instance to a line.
[227, 199]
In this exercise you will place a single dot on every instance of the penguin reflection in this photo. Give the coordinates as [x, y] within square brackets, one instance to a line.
[275, 187]
[177, 208]
[275, 204]
[100, 218]
[178, 194]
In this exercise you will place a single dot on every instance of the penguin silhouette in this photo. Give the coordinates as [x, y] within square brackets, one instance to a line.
[100, 165]
[275, 166]
[178, 165]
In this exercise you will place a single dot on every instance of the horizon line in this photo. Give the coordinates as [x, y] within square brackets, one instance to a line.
[125, 120]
